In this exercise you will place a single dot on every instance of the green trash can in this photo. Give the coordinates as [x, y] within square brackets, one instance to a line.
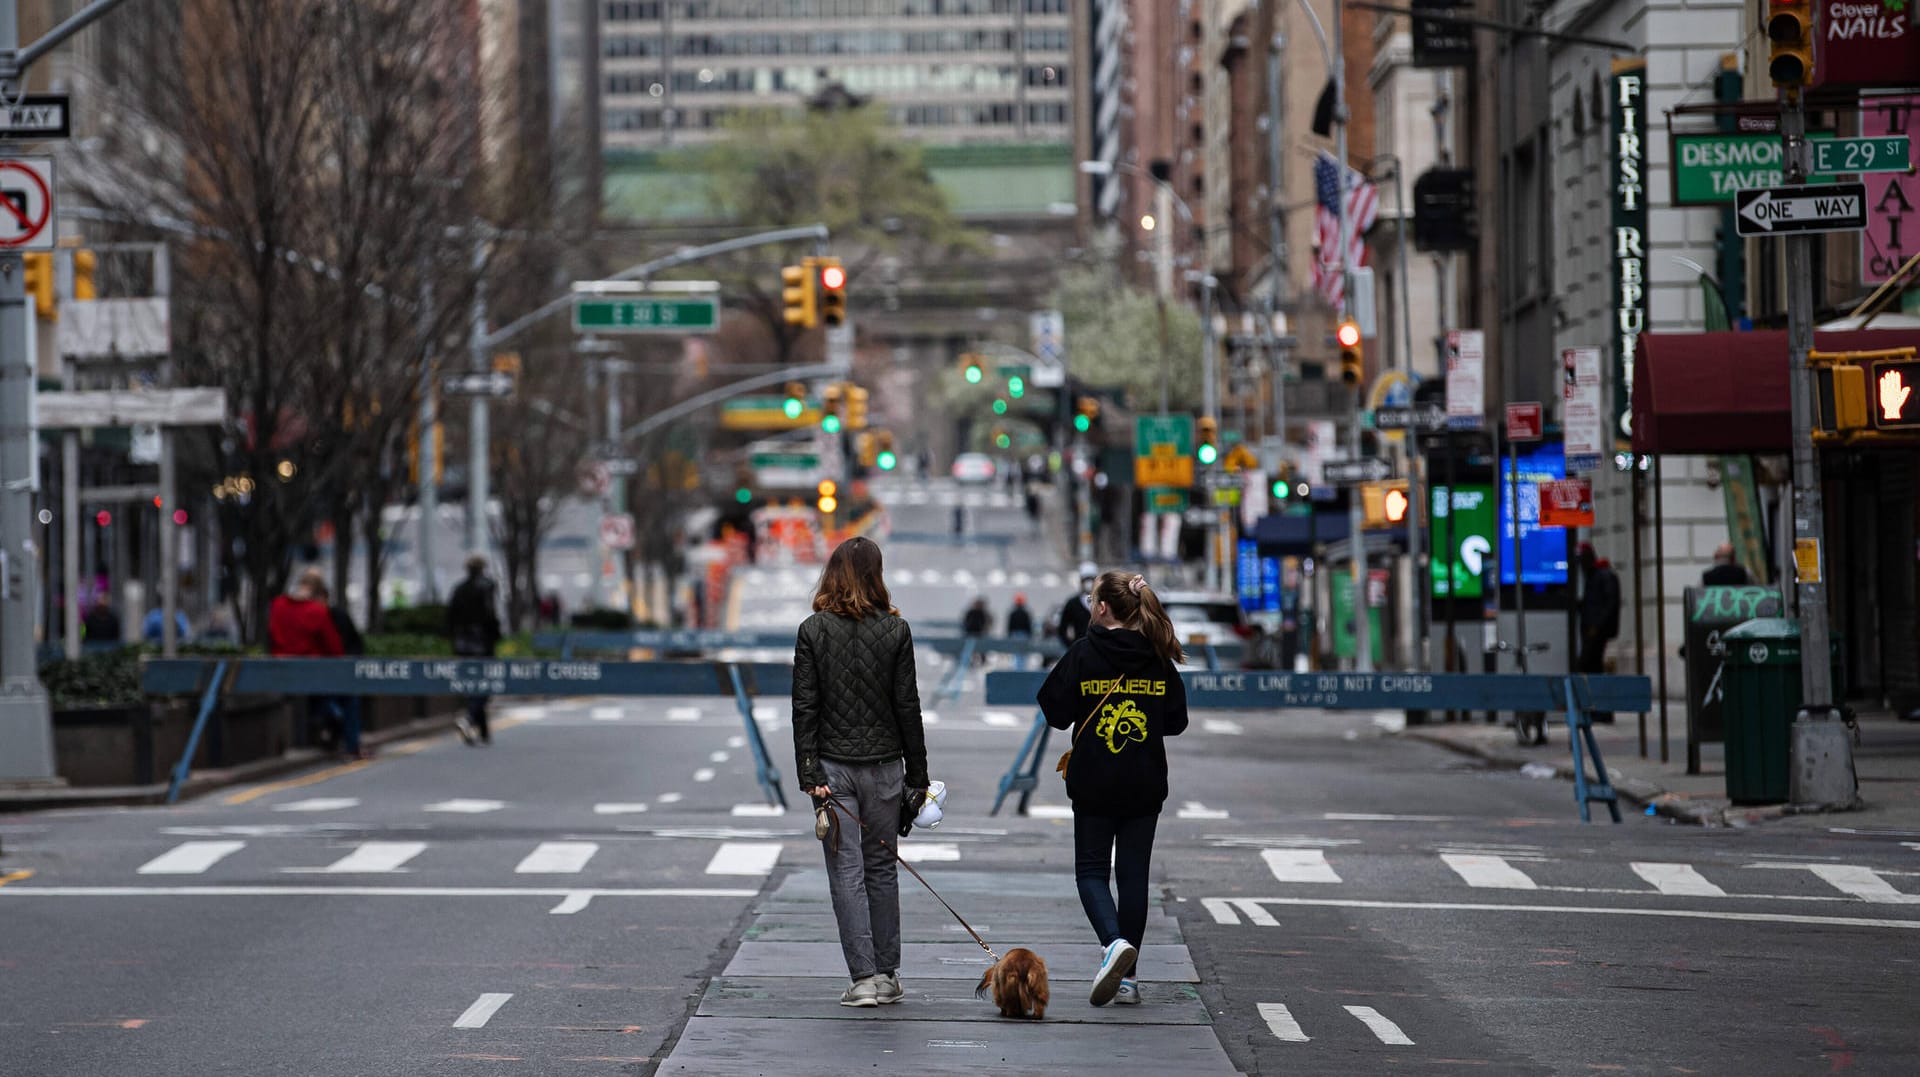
[1762, 695]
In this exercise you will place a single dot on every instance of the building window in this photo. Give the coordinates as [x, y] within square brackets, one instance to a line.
[632, 10]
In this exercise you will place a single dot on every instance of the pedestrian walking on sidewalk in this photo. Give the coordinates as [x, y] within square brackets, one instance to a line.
[1119, 693]
[344, 709]
[857, 738]
[1599, 614]
[473, 623]
[299, 626]
[1077, 613]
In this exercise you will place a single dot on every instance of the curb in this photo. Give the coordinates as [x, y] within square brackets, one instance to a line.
[1633, 790]
[199, 783]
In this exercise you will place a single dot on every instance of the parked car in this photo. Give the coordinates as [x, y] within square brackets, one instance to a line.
[973, 467]
[1207, 616]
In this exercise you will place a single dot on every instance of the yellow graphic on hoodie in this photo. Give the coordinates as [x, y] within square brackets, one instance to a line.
[1121, 722]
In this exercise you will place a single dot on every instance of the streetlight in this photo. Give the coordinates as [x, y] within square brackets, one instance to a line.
[1147, 222]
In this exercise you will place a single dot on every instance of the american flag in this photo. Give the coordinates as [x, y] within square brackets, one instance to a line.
[1363, 205]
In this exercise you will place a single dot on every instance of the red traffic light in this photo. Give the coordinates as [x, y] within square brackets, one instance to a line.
[1348, 334]
[103, 518]
[833, 278]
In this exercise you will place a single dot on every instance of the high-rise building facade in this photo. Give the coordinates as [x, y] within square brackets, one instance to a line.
[947, 71]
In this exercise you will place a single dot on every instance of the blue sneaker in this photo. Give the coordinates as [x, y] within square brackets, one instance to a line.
[1114, 966]
[1128, 995]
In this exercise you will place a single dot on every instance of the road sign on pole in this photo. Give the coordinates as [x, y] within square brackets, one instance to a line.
[1353, 472]
[1524, 421]
[36, 116]
[616, 531]
[632, 307]
[1773, 211]
[1423, 418]
[26, 204]
[1163, 451]
[489, 383]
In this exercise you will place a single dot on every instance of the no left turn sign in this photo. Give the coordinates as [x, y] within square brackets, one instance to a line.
[26, 203]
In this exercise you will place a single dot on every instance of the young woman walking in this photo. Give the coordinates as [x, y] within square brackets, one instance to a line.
[856, 720]
[1118, 692]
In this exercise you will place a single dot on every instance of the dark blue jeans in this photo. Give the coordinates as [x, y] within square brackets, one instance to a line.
[344, 711]
[1105, 846]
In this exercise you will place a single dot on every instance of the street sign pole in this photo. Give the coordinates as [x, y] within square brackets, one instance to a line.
[1821, 755]
[26, 724]
[479, 430]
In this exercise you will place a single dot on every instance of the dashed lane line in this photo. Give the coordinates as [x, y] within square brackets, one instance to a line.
[1299, 865]
[557, 858]
[316, 804]
[369, 858]
[1228, 911]
[371, 891]
[1280, 1022]
[1384, 1030]
[1193, 809]
[619, 809]
[482, 1010]
[704, 774]
[14, 876]
[1478, 869]
[757, 811]
[744, 858]
[190, 857]
[466, 807]
[1677, 879]
[247, 796]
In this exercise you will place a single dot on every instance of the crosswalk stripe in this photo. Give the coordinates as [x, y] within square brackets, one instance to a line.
[704, 774]
[1299, 865]
[1049, 811]
[757, 811]
[319, 804]
[606, 714]
[1193, 809]
[683, 714]
[1488, 871]
[1224, 726]
[466, 807]
[1280, 1021]
[370, 858]
[1384, 1030]
[557, 858]
[1863, 883]
[1677, 879]
[920, 852]
[619, 808]
[1000, 719]
[191, 857]
[744, 858]
[482, 1011]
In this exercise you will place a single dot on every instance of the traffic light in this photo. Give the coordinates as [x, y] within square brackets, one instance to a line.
[796, 403]
[796, 295]
[1790, 36]
[84, 263]
[439, 453]
[857, 398]
[830, 403]
[1397, 501]
[1000, 406]
[1283, 483]
[1086, 413]
[832, 292]
[1208, 450]
[1001, 439]
[1352, 364]
[972, 368]
[1890, 396]
[743, 495]
[826, 501]
[866, 449]
[1016, 386]
[886, 457]
[39, 282]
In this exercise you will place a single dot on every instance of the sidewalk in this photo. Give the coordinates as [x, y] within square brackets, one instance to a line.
[1887, 760]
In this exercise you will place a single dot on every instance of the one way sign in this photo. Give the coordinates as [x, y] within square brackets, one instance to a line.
[1774, 211]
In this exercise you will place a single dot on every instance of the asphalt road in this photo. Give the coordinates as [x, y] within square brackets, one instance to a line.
[606, 891]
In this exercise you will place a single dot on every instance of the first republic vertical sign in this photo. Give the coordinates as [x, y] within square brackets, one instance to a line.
[1629, 233]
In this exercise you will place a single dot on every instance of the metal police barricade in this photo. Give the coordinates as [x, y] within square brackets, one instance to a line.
[211, 679]
[1578, 695]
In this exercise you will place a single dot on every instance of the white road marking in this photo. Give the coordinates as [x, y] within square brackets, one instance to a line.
[683, 714]
[929, 717]
[1375, 817]
[717, 757]
[744, 858]
[1193, 809]
[572, 903]
[527, 714]
[18, 890]
[704, 774]
[997, 578]
[1299, 865]
[765, 712]
[369, 858]
[1863, 883]
[466, 807]
[1224, 726]
[319, 804]
[668, 798]
[1021, 579]
[920, 852]
[1049, 811]
[1677, 879]
[1390, 723]
[1281, 1023]
[1488, 871]
[618, 809]
[481, 1011]
[1000, 719]
[929, 577]
[1383, 1030]
[607, 714]
[1224, 911]
[191, 857]
[1052, 579]
[557, 858]
[758, 811]
[736, 742]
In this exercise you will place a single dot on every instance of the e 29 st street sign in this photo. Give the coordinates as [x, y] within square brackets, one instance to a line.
[1711, 168]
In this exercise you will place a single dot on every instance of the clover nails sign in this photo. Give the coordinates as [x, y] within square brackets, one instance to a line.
[1865, 43]
[1629, 245]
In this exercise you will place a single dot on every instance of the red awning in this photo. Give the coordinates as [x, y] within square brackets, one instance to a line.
[1702, 393]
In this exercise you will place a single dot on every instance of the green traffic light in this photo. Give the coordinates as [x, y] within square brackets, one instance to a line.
[1208, 454]
[1281, 490]
[1082, 423]
[999, 407]
[831, 424]
[743, 495]
[973, 375]
[1016, 387]
[888, 461]
[1003, 441]
[793, 407]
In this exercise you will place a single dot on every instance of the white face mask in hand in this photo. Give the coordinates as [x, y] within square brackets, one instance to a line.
[934, 809]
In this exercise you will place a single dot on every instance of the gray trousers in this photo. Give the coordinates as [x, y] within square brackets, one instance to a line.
[862, 873]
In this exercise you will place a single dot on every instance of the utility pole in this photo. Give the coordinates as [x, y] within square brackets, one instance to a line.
[479, 430]
[1356, 537]
[429, 453]
[1822, 755]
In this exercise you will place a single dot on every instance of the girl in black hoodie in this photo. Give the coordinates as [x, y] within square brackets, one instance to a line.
[1119, 694]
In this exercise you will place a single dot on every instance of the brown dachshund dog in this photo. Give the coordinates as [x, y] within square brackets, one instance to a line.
[1019, 985]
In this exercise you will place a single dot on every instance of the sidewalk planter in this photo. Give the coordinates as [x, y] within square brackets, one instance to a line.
[1762, 695]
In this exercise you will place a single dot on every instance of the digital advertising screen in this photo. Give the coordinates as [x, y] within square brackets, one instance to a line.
[1471, 509]
[1543, 550]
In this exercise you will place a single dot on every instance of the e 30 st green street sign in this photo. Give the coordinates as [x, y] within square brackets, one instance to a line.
[1710, 168]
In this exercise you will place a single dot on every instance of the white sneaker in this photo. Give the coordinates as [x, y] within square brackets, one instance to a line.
[887, 988]
[864, 992]
[465, 728]
[1128, 994]
[1114, 965]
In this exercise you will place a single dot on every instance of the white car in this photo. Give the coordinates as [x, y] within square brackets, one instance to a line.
[973, 467]
[1201, 615]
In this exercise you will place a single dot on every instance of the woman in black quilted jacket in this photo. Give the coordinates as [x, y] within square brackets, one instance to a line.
[856, 721]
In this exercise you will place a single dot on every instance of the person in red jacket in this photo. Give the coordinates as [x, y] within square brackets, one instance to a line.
[298, 624]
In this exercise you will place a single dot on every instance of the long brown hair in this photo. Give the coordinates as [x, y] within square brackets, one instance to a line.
[1135, 606]
[853, 584]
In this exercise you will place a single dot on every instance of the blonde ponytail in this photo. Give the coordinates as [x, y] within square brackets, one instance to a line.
[1135, 606]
